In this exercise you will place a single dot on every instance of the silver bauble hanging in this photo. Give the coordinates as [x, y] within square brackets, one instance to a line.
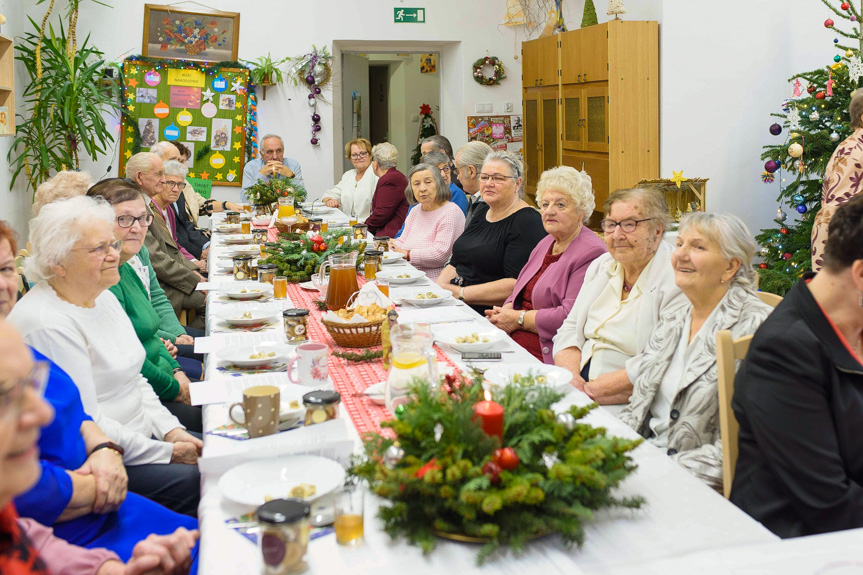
[765, 251]
[814, 116]
[312, 102]
[393, 455]
[319, 72]
[781, 215]
[834, 137]
[566, 419]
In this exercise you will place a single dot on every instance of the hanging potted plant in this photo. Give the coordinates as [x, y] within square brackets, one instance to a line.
[265, 71]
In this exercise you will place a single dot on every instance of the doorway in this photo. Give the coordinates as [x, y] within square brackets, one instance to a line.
[381, 97]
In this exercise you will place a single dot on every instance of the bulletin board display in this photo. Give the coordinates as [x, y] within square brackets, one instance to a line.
[205, 107]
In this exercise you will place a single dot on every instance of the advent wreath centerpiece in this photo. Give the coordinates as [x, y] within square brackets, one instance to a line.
[299, 256]
[262, 192]
[464, 469]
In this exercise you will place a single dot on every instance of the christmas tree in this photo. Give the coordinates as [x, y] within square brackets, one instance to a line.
[589, 18]
[812, 123]
[428, 127]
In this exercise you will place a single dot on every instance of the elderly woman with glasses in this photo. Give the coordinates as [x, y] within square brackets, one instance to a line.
[675, 403]
[168, 378]
[547, 286]
[495, 246]
[440, 160]
[353, 193]
[625, 292]
[431, 229]
[389, 204]
[72, 317]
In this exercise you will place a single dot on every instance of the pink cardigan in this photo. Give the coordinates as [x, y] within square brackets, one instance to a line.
[430, 236]
[555, 291]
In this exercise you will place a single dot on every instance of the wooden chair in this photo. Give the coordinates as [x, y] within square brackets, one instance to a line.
[728, 350]
[183, 318]
[770, 299]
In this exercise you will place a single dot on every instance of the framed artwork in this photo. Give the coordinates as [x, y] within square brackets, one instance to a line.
[203, 35]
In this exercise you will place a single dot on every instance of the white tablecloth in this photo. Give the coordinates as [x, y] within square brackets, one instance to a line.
[682, 516]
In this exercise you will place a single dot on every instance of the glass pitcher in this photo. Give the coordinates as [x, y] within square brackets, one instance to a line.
[413, 356]
[343, 279]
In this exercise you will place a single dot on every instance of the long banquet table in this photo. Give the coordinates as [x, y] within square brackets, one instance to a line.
[682, 516]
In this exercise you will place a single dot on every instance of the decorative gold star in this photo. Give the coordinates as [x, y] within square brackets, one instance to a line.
[219, 175]
[133, 70]
[129, 129]
[238, 104]
[237, 145]
[130, 139]
[191, 174]
[236, 159]
[238, 118]
[131, 96]
[678, 178]
[128, 154]
[132, 108]
[232, 173]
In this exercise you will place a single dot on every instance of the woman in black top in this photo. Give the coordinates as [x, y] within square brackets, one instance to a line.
[497, 243]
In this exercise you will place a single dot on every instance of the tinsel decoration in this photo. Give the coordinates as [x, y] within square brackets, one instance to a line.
[767, 177]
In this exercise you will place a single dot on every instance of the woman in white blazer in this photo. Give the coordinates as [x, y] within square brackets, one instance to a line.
[624, 293]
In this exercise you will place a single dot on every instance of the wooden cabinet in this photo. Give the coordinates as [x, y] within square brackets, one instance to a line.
[607, 105]
[7, 86]
[540, 62]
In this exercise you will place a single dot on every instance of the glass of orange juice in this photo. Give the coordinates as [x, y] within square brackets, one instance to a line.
[286, 207]
[383, 285]
[247, 208]
[280, 287]
[246, 227]
[349, 516]
[325, 225]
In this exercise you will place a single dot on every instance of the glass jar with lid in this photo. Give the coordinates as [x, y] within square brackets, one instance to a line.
[382, 243]
[259, 235]
[296, 325]
[321, 406]
[284, 534]
[360, 231]
[372, 263]
[232, 217]
[266, 273]
[242, 267]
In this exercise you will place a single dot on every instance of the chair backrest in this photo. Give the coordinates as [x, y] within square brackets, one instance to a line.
[727, 351]
[770, 299]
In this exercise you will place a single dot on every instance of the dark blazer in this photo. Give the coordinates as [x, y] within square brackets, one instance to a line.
[389, 204]
[799, 398]
[188, 235]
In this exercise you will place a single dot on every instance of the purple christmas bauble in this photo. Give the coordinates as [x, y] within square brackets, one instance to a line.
[316, 118]
[310, 80]
[802, 208]
[311, 96]
[317, 90]
[771, 166]
[314, 141]
[775, 129]
[316, 127]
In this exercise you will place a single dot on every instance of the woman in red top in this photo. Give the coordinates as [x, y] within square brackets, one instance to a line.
[548, 284]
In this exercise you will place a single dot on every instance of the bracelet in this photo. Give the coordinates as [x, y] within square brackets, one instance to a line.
[461, 293]
[224, 205]
[177, 370]
[109, 445]
[408, 256]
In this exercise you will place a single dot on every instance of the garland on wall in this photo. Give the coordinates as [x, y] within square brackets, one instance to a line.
[497, 75]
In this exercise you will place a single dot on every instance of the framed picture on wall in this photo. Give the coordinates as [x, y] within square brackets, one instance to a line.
[203, 35]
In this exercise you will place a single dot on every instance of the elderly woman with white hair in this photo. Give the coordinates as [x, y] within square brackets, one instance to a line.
[547, 286]
[65, 184]
[353, 193]
[72, 318]
[675, 403]
[389, 204]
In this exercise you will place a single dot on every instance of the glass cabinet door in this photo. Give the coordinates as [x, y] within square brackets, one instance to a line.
[531, 144]
[596, 119]
[572, 119]
[550, 136]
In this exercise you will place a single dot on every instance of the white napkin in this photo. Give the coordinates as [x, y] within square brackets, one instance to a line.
[370, 294]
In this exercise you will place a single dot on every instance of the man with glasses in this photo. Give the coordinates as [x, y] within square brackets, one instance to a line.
[195, 241]
[162, 205]
[271, 165]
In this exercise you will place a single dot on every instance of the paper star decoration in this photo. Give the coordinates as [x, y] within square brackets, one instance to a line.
[191, 174]
[219, 175]
[129, 129]
[678, 178]
[128, 154]
[133, 82]
[794, 119]
[238, 118]
[133, 70]
[238, 129]
[205, 176]
[236, 159]
[855, 68]
[238, 104]
[238, 87]
[130, 139]
[237, 145]
[232, 173]
[131, 95]
[208, 95]
[132, 108]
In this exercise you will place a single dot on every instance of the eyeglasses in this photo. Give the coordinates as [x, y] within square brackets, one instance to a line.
[359, 156]
[559, 206]
[444, 169]
[171, 184]
[11, 392]
[496, 178]
[129, 221]
[627, 226]
[102, 250]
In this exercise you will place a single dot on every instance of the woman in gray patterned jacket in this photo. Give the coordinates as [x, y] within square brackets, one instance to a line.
[675, 403]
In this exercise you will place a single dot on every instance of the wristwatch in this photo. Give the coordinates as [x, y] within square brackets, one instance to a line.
[109, 445]
[521, 318]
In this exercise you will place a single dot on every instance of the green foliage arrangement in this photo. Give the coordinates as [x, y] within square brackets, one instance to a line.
[65, 96]
[269, 192]
[297, 258]
[265, 70]
[445, 484]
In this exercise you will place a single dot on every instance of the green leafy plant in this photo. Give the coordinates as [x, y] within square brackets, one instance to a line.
[269, 192]
[297, 259]
[65, 98]
[266, 71]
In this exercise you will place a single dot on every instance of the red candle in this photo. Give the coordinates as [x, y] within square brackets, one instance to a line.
[491, 416]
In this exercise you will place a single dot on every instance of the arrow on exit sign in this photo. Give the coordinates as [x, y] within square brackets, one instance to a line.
[409, 15]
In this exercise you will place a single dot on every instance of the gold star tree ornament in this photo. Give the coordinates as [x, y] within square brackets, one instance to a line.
[678, 178]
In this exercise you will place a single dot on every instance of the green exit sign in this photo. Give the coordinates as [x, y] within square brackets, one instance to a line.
[409, 15]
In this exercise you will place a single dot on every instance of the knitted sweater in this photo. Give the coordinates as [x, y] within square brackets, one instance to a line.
[430, 235]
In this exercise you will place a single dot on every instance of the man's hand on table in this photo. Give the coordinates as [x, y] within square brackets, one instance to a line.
[274, 167]
[332, 203]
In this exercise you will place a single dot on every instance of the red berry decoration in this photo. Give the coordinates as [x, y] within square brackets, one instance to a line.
[819, 96]
[787, 256]
[323, 247]
[762, 266]
[783, 230]
[810, 89]
[845, 5]
[828, 23]
[507, 458]
[317, 239]
[492, 471]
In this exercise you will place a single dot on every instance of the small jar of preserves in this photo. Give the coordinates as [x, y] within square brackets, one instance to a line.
[316, 225]
[321, 406]
[360, 231]
[232, 217]
[382, 243]
[242, 267]
[372, 263]
[259, 236]
[296, 325]
[284, 535]
[266, 273]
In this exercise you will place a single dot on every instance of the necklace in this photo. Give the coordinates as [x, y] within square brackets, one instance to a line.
[627, 288]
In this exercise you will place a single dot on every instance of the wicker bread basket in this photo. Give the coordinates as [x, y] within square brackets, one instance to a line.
[298, 227]
[366, 334]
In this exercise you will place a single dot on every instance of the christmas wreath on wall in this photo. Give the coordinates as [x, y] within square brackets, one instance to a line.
[497, 71]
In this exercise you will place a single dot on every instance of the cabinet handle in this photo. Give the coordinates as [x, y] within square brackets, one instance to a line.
[579, 78]
[585, 77]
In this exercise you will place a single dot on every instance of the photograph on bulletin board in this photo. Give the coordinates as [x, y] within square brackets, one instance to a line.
[502, 133]
[202, 106]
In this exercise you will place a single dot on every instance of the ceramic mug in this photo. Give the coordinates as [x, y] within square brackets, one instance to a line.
[261, 408]
[311, 360]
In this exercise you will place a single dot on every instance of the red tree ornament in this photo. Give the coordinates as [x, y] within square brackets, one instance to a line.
[786, 256]
[828, 23]
[845, 5]
[819, 96]
[762, 266]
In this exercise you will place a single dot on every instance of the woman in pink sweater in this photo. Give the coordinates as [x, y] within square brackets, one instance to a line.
[431, 230]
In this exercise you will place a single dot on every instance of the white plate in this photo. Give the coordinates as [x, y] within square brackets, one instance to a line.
[249, 250]
[502, 374]
[241, 357]
[227, 228]
[290, 416]
[238, 239]
[443, 295]
[234, 315]
[245, 216]
[448, 336]
[377, 392]
[253, 290]
[254, 481]
[225, 264]
[391, 275]
[261, 221]
[309, 286]
[392, 257]
[318, 209]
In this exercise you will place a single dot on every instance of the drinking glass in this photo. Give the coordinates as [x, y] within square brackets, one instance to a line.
[246, 227]
[383, 285]
[280, 287]
[349, 516]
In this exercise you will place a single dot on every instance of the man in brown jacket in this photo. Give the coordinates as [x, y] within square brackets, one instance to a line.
[177, 275]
